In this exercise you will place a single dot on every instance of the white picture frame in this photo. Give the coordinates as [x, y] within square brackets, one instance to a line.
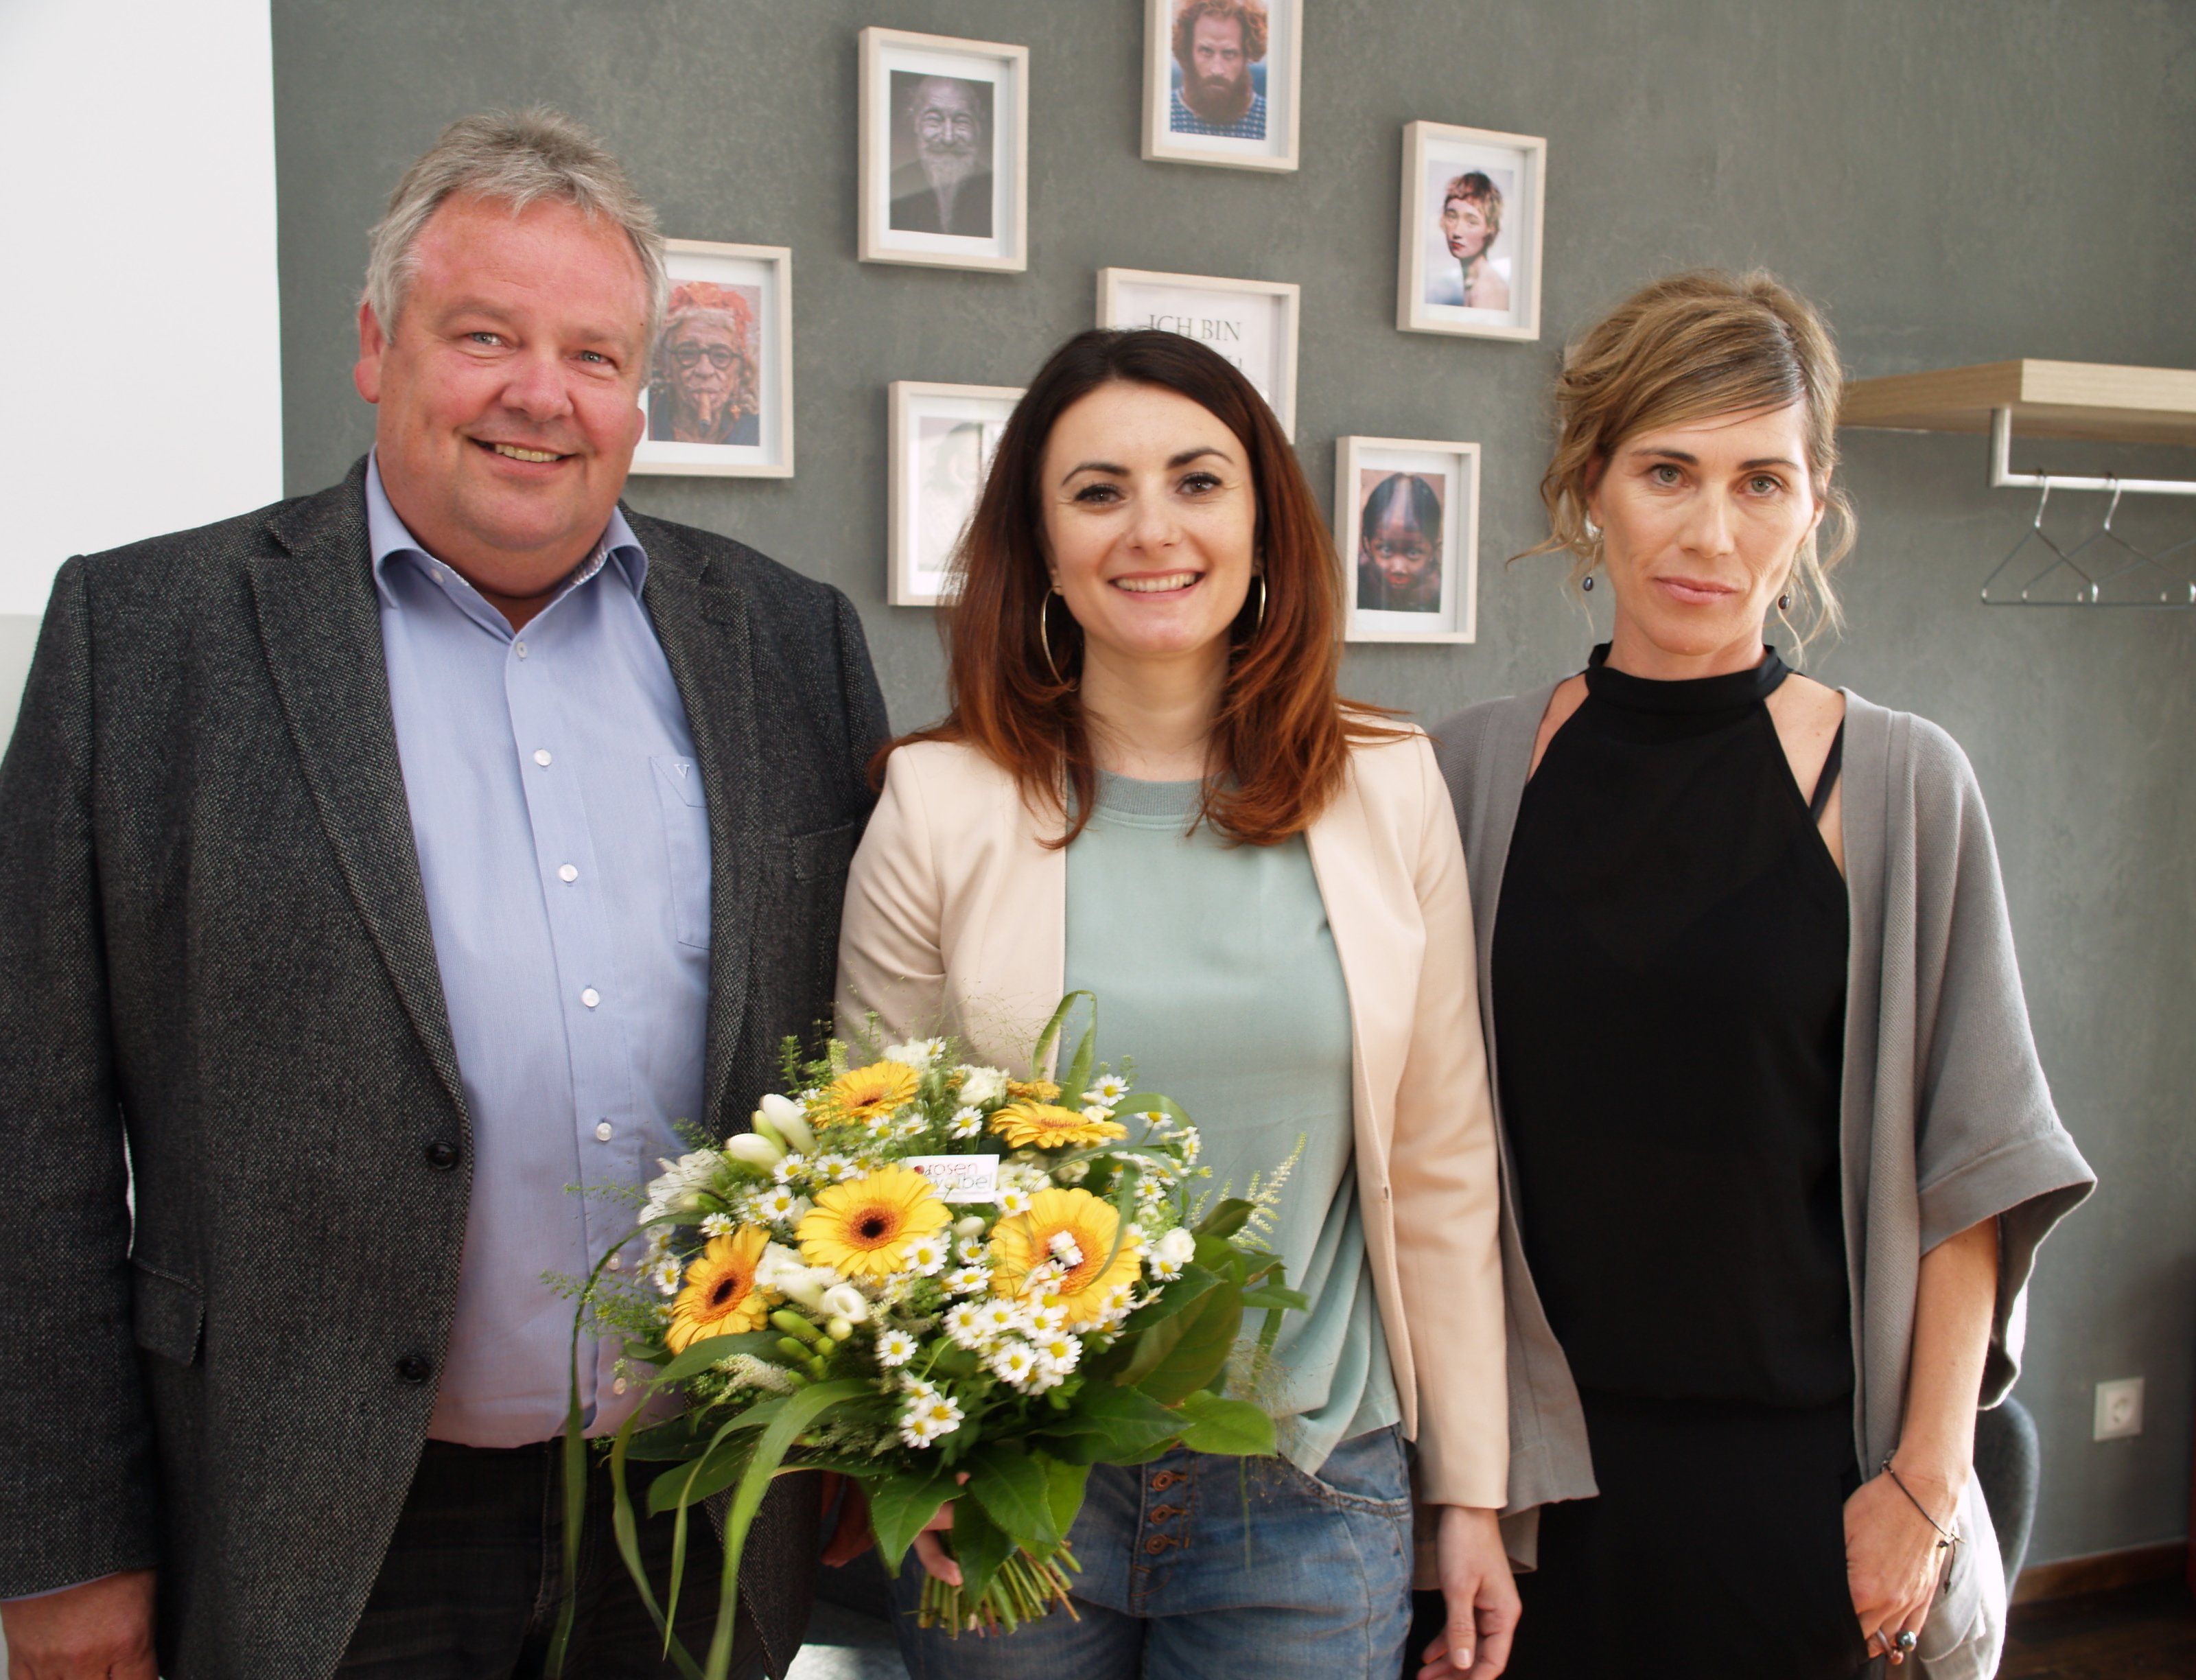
[908, 212]
[1253, 323]
[1433, 294]
[731, 301]
[1178, 135]
[939, 443]
[1447, 490]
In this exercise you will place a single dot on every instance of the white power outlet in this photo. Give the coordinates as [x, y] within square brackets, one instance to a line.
[2119, 1409]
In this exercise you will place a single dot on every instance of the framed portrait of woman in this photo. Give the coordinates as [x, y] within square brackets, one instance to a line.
[1407, 526]
[941, 444]
[719, 393]
[1470, 261]
[944, 144]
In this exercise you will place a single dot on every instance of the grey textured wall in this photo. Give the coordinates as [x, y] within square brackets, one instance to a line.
[1957, 182]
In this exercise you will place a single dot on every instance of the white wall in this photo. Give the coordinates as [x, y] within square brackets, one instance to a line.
[144, 385]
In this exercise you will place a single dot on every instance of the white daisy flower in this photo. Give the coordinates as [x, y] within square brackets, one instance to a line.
[967, 1280]
[997, 1316]
[1050, 1317]
[1096, 1112]
[1066, 1249]
[934, 1415]
[719, 1225]
[915, 1387]
[895, 1347]
[966, 1123]
[1058, 1352]
[1108, 1090]
[792, 1167]
[981, 1085]
[926, 1255]
[916, 1053]
[964, 1323]
[1014, 1200]
[835, 1168]
[1013, 1360]
[970, 1251]
[668, 1274]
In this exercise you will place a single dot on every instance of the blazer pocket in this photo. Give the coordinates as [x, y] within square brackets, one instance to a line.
[804, 878]
[686, 845]
[167, 1313]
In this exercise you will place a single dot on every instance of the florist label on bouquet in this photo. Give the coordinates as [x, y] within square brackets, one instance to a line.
[959, 1178]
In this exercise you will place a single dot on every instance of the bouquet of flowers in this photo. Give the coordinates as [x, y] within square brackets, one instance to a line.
[945, 1282]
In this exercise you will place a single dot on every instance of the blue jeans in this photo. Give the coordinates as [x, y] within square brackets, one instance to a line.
[1196, 1567]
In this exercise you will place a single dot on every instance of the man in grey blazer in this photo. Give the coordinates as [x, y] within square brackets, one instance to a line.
[375, 867]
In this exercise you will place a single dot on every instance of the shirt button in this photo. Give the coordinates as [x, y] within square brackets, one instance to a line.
[591, 997]
[568, 873]
[519, 648]
[619, 1386]
[541, 757]
[604, 1132]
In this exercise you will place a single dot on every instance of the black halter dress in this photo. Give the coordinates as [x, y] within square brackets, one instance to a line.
[1668, 981]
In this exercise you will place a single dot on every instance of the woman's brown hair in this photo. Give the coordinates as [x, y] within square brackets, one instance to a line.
[1282, 738]
[1691, 347]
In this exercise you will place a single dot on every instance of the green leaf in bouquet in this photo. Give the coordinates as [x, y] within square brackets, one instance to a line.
[677, 1439]
[1194, 1282]
[1149, 1350]
[691, 1483]
[1206, 1337]
[1045, 1039]
[1234, 1428]
[899, 1505]
[1064, 1486]
[957, 1362]
[1227, 1218]
[1110, 1425]
[979, 1546]
[1274, 1296]
[1013, 1489]
[712, 1350]
[1219, 1255]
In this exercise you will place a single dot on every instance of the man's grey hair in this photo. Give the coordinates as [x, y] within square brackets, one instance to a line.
[517, 158]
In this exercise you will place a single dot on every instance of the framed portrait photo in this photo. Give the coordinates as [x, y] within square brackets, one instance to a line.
[720, 395]
[940, 448]
[944, 152]
[1221, 79]
[1252, 323]
[1407, 526]
[1470, 256]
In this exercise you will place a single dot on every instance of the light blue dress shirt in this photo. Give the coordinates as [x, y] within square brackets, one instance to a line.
[564, 846]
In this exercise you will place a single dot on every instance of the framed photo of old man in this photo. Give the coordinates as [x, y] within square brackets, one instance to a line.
[1220, 81]
[1407, 526]
[720, 393]
[944, 152]
[1470, 261]
[941, 443]
[1252, 323]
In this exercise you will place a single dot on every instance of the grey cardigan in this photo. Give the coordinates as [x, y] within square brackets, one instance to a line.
[1947, 1119]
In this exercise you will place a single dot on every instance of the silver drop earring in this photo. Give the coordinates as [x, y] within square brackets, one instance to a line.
[1586, 583]
[1784, 602]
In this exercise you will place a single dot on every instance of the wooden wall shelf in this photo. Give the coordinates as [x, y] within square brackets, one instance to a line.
[2048, 399]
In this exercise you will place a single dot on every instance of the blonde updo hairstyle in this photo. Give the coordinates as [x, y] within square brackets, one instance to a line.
[1688, 348]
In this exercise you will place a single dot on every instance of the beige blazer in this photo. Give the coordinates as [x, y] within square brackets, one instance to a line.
[955, 922]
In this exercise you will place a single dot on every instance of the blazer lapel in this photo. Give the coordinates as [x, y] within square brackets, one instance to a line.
[321, 627]
[1341, 846]
[700, 620]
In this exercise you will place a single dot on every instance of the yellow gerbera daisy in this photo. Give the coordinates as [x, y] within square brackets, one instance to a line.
[871, 1093]
[1048, 1126]
[720, 1297]
[864, 1228]
[1025, 1241]
[1036, 1090]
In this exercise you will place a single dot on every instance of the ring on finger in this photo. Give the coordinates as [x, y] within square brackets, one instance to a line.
[1907, 1640]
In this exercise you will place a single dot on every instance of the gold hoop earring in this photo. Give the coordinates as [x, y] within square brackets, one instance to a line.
[1258, 624]
[1044, 633]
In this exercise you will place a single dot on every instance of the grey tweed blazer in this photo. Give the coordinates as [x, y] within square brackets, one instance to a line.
[219, 999]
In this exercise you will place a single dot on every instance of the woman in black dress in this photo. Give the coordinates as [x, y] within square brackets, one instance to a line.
[1660, 842]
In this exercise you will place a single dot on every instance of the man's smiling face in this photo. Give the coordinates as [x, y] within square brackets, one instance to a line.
[508, 395]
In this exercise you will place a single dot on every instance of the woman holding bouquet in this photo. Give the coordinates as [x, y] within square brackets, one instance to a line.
[1149, 788]
[1780, 1147]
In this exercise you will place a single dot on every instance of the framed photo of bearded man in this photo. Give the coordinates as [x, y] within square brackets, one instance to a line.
[1469, 260]
[1222, 81]
[719, 393]
[1407, 528]
[944, 152]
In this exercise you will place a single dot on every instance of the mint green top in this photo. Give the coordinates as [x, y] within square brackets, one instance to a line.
[1214, 968]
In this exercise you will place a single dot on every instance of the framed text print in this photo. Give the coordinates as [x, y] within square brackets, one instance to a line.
[1252, 323]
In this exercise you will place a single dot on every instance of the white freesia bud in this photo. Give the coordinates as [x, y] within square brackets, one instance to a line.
[782, 1272]
[784, 1114]
[971, 1226]
[760, 1125]
[839, 1329]
[1175, 1249]
[844, 1301]
[752, 1149]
